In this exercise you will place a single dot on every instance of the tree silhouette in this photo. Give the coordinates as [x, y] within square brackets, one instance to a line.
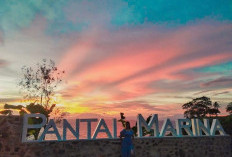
[197, 108]
[39, 83]
[229, 108]
[215, 109]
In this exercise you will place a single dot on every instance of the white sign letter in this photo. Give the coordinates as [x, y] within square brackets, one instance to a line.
[115, 128]
[153, 124]
[51, 124]
[28, 126]
[205, 128]
[89, 126]
[180, 125]
[98, 129]
[167, 126]
[216, 126]
[66, 126]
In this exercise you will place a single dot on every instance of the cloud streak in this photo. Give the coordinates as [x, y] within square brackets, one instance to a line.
[133, 65]
[218, 82]
[138, 56]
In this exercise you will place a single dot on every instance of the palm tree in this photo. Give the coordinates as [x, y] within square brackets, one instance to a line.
[215, 109]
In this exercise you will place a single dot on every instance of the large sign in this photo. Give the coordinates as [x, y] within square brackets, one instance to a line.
[193, 127]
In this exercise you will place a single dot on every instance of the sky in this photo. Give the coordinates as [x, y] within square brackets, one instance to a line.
[131, 56]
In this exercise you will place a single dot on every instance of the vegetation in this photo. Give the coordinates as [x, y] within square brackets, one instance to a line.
[38, 85]
[229, 108]
[215, 109]
[200, 107]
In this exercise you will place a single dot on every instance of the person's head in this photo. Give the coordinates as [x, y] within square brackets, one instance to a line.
[128, 125]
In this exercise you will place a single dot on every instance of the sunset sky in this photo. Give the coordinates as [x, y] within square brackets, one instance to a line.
[131, 56]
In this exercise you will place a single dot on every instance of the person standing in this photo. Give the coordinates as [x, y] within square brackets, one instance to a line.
[126, 136]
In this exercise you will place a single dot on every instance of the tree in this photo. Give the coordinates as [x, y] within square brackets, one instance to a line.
[229, 108]
[215, 109]
[197, 108]
[39, 84]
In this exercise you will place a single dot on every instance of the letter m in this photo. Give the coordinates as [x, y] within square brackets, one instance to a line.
[153, 124]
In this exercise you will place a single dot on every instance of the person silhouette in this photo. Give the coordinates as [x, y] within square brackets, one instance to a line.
[126, 136]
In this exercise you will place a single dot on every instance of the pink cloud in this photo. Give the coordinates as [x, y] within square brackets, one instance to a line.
[121, 65]
[75, 55]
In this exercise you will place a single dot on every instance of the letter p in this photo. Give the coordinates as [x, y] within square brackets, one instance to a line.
[28, 126]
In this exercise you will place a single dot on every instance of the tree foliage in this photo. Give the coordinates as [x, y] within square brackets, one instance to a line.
[229, 108]
[200, 107]
[215, 109]
[39, 83]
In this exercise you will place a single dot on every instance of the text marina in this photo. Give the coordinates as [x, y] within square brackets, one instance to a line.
[193, 127]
